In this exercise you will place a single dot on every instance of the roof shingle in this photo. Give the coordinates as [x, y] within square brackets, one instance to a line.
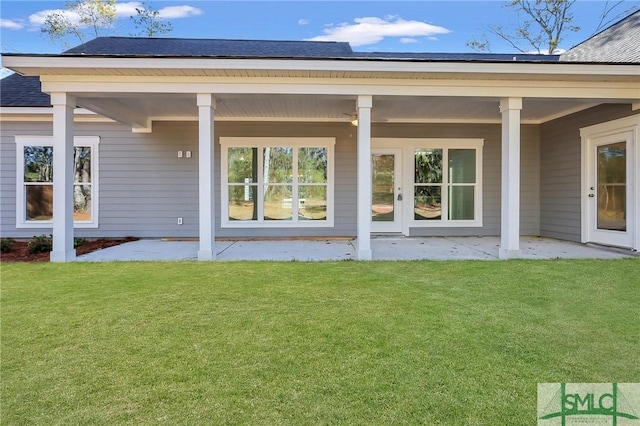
[128, 46]
[20, 91]
[620, 43]
[261, 49]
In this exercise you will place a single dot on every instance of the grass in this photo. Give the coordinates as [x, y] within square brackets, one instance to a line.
[310, 343]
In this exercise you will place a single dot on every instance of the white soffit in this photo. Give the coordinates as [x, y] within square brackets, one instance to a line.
[139, 111]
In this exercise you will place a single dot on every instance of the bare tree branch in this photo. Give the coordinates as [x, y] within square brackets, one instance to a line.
[545, 24]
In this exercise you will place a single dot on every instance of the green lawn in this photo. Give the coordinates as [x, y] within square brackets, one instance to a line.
[310, 343]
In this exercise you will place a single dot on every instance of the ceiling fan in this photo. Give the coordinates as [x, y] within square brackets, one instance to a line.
[354, 118]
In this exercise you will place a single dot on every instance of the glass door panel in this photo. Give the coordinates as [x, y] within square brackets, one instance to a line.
[386, 190]
[612, 187]
[382, 187]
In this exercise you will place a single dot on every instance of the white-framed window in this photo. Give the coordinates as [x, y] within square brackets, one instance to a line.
[34, 181]
[277, 182]
[447, 182]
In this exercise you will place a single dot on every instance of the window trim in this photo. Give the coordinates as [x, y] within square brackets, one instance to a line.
[23, 141]
[270, 142]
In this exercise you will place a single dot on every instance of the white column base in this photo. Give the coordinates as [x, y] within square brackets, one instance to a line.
[509, 254]
[62, 256]
[364, 254]
[206, 255]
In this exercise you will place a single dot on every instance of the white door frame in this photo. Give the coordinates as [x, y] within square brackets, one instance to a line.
[623, 129]
[397, 225]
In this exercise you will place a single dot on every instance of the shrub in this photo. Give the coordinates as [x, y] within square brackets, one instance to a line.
[39, 244]
[6, 244]
[77, 242]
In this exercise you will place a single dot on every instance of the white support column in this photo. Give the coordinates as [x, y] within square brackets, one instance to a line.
[364, 177]
[206, 107]
[63, 107]
[510, 226]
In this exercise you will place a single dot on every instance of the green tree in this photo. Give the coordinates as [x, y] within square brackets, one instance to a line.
[82, 20]
[148, 22]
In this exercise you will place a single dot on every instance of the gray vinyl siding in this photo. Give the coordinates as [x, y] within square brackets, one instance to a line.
[144, 187]
[560, 169]
[491, 173]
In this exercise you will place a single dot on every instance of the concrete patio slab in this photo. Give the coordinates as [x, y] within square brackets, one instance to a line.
[145, 250]
[485, 248]
[383, 248]
[295, 250]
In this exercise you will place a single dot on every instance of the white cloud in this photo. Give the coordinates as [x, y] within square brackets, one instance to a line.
[10, 24]
[371, 30]
[123, 10]
[545, 52]
[408, 40]
[5, 72]
[303, 21]
[175, 12]
[127, 9]
[37, 19]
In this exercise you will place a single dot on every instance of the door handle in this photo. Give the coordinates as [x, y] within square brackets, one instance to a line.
[399, 197]
[591, 195]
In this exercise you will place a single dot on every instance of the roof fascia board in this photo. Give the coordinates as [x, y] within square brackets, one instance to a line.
[482, 88]
[22, 64]
[46, 114]
[8, 114]
[49, 118]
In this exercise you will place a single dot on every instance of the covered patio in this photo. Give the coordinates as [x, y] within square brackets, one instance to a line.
[231, 144]
[391, 248]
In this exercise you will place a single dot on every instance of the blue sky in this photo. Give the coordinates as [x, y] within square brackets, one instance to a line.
[429, 26]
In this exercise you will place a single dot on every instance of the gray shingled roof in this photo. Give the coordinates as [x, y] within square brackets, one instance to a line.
[175, 47]
[620, 43]
[462, 57]
[20, 91]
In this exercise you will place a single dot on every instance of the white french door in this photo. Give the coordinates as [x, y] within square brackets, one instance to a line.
[610, 191]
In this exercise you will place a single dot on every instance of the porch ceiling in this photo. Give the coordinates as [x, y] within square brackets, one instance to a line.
[139, 110]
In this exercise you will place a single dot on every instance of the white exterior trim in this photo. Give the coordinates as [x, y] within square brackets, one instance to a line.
[510, 183]
[496, 88]
[63, 130]
[15, 114]
[364, 105]
[409, 145]
[46, 114]
[259, 142]
[206, 161]
[629, 125]
[27, 140]
[26, 63]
